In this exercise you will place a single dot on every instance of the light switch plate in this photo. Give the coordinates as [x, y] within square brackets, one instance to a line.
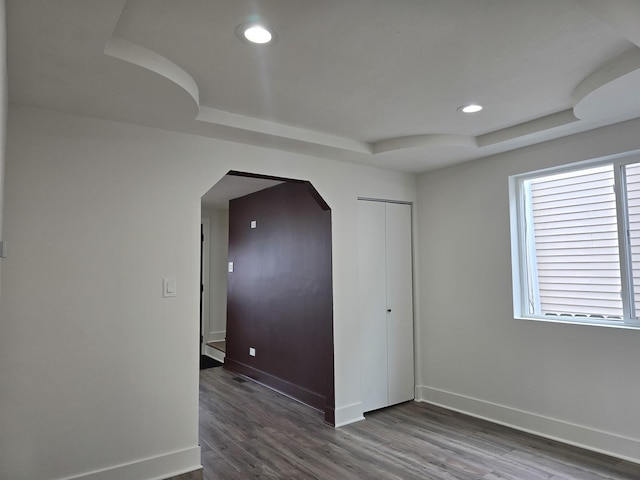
[253, 224]
[230, 269]
[168, 287]
[252, 351]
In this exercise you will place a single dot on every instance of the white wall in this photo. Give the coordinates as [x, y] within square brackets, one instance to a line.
[218, 254]
[97, 369]
[3, 109]
[576, 383]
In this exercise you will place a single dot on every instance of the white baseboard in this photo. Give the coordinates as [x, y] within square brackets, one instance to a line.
[578, 435]
[154, 468]
[349, 414]
[214, 353]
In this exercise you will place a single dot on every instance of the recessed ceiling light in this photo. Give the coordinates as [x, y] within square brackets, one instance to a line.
[471, 108]
[255, 33]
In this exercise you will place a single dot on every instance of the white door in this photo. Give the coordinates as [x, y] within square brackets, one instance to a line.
[373, 304]
[385, 289]
[399, 303]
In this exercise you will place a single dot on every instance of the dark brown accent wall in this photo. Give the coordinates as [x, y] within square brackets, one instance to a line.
[280, 293]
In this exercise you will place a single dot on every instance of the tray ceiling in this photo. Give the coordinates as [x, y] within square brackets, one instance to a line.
[375, 82]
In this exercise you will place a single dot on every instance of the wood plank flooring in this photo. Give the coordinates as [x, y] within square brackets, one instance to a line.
[248, 431]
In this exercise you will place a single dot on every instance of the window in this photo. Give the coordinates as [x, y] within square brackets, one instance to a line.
[576, 243]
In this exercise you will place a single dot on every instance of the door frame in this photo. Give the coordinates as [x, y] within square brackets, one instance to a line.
[204, 265]
[415, 326]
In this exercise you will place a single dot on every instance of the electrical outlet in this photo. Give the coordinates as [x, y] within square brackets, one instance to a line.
[252, 351]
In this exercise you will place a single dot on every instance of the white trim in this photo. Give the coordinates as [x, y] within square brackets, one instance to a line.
[349, 414]
[608, 443]
[153, 468]
[206, 317]
[624, 247]
[579, 321]
[214, 353]
[517, 246]
[381, 200]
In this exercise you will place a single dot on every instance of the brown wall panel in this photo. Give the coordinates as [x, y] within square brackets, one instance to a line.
[280, 292]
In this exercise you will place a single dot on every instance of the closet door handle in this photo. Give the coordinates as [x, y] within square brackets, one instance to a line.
[388, 310]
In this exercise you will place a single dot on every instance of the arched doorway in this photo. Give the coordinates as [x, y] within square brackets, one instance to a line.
[279, 302]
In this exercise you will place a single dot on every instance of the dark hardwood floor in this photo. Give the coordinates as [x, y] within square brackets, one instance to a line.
[248, 431]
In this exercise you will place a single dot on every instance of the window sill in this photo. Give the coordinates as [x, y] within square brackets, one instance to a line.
[589, 323]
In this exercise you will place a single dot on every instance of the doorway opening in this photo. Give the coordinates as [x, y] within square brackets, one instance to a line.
[267, 296]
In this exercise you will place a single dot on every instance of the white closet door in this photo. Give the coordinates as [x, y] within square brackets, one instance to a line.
[385, 289]
[373, 305]
[399, 287]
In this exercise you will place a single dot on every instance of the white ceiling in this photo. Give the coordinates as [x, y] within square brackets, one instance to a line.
[370, 81]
